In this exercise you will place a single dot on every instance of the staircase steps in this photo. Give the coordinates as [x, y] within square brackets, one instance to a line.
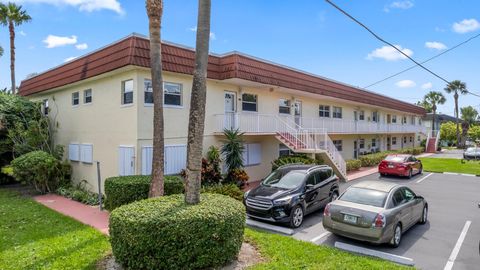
[431, 145]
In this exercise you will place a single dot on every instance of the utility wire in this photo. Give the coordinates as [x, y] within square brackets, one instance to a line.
[391, 45]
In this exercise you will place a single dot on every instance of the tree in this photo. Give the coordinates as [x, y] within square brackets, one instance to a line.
[448, 132]
[425, 104]
[474, 133]
[434, 98]
[469, 114]
[13, 15]
[457, 87]
[154, 12]
[196, 122]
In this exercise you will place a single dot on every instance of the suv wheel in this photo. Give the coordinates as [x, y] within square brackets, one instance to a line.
[334, 196]
[296, 218]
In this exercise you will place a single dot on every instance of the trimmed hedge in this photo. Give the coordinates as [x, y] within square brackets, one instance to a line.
[353, 164]
[122, 190]
[230, 190]
[374, 159]
[292, 159]
[166, 233]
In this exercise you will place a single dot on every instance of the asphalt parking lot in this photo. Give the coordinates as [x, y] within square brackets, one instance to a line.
[453, 211]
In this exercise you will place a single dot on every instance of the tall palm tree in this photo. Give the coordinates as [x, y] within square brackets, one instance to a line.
[434, 98]
[13, 15]
[457, 87]
[469, 115]
[196, 122]
[154, 12]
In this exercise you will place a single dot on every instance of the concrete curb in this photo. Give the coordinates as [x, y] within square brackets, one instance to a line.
[453, 173]
[269, 227]
[375, 253]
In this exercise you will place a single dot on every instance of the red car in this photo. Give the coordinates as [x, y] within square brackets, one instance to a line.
[401, 165]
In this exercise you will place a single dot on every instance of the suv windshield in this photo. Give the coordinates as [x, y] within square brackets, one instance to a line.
[365, 196]
[290, 180]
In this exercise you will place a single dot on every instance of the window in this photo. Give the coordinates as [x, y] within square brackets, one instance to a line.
[324, 111]
[394, 140]
[74, 152]
[86, 153]
[374, 143]
[87, 96]
[405, 139]
[45, 107]
[408, 194]
[418, 138]
[75, 99]
[249, 102]
[404, 120]
[375, 116]
[127, 92]
[398, 198]
[420, 121]
[147, 92]
[411, 139]
[252, 154]
[173, 94]
[283, 150]
[338, 144]
[361, 115]
[337, 112]
[361, 143]
[394, 119]
[284, 106]
[412, 120]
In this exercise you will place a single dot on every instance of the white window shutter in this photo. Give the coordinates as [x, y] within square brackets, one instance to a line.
[86, 153]
[74, 152]
[254, 154]
[175, 158]
[147, 158]
[245, 155]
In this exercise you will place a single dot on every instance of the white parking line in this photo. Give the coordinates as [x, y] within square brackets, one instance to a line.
[375, 253]
[269, 227]
[457, 247]
[320, 236]
[423, 178]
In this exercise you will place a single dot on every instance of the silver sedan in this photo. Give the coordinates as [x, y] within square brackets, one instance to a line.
[376, 212]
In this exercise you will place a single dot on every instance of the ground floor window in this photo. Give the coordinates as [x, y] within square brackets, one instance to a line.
[283, 150]
[374, 143]
[405, 139]
[394, 140]
[338, 144]
[411, 139]
[361, 143]
[252, 155]
[418, 138]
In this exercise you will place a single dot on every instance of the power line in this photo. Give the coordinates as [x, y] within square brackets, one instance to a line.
[429, 59]
[391, 45]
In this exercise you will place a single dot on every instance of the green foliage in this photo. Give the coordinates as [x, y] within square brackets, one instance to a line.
[122, 190]
[292, 159]
[425, 104]
[374, 159]
[230, 190]
[167, 233]
[40, 169]
[474, 133]
[448, 132]
[232, 149]
[469, 114]
[211, 174]
[353, 164]
[237, 176]
[79, 193]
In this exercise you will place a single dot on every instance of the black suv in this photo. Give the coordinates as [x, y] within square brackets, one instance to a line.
[290, 192]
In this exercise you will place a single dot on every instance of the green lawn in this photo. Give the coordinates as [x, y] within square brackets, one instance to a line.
[282, 252]
[450, 165]
[35, 237]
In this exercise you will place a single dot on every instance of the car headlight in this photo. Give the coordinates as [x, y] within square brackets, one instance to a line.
[246, 194]
[282, 201]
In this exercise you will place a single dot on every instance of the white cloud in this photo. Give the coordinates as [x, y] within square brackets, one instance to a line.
[405, 84]
[70, 59]
[212, 35]
[435, 45]
[22, 33]
[82, 46]
[465, 26]
[390, 54]
[427, 85]
[83, 5]
[399, 5]
[57, 41]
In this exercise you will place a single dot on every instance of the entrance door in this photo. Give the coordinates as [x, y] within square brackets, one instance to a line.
[355, 149]
[126, 160]
[230, 108]
[298, 113]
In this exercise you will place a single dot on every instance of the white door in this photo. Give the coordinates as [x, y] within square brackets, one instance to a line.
[298, 113]
[230, 108]
[126, 160]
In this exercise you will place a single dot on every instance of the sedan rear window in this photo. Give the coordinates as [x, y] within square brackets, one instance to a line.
[395, 159]
[365, 196]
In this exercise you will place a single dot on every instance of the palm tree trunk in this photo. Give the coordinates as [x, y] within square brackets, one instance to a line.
[197, 106]
[455, 96]
[11, 29]
[154, 11]
[433, 122]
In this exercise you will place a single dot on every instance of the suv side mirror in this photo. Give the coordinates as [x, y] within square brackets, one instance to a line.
[308, 187]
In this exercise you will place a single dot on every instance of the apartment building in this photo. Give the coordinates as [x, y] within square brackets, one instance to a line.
[102, 104]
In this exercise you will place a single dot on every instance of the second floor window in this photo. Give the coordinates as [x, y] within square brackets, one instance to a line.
[45, 107]
[127, 92]
[172, 94]
[249, 102]
[374, 116]
[75, 99]
[338, 144]
[361, 115]
[394, 119]
[412, 120]
[337, 112]
[404, 120]
[87, 96]
[148, 92]
[324, 111]
[284, 106]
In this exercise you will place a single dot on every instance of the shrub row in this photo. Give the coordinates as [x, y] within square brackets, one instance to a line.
[291, 159]
[353, 164]
[230, 190]
[79, 194]
[126, 189]
[166, 233]
[374, 159]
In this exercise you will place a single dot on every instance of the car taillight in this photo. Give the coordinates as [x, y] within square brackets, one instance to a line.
[326, 211]
[380, 221]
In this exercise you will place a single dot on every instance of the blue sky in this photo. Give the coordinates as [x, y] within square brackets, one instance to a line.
[304, 34]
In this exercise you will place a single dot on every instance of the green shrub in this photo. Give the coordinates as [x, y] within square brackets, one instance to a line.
[353, 164]
[237, 176]
[79, 193]
[372, 159]
[40, 169]
[230, 190]
[166, 233]
[122, 190]
[292, 159]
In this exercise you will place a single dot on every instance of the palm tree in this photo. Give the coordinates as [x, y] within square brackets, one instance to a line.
[13, 15]
[457, 87]
[232, 149]
[196, 122]
[426, 105]
[154, 11]
[469, 114]
[434, 98]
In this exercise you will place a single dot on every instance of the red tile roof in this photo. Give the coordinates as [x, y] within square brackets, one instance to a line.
[134, 50]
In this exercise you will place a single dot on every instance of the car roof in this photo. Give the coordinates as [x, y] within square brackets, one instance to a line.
[296, 167]
[377, 185]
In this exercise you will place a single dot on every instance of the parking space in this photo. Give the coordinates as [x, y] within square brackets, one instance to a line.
[453, 204]
[449, 153]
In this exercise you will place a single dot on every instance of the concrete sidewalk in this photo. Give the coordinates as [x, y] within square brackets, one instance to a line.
[86, 214]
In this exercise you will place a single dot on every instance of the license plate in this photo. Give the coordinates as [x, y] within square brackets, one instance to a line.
[350, 219]
[390, 165]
